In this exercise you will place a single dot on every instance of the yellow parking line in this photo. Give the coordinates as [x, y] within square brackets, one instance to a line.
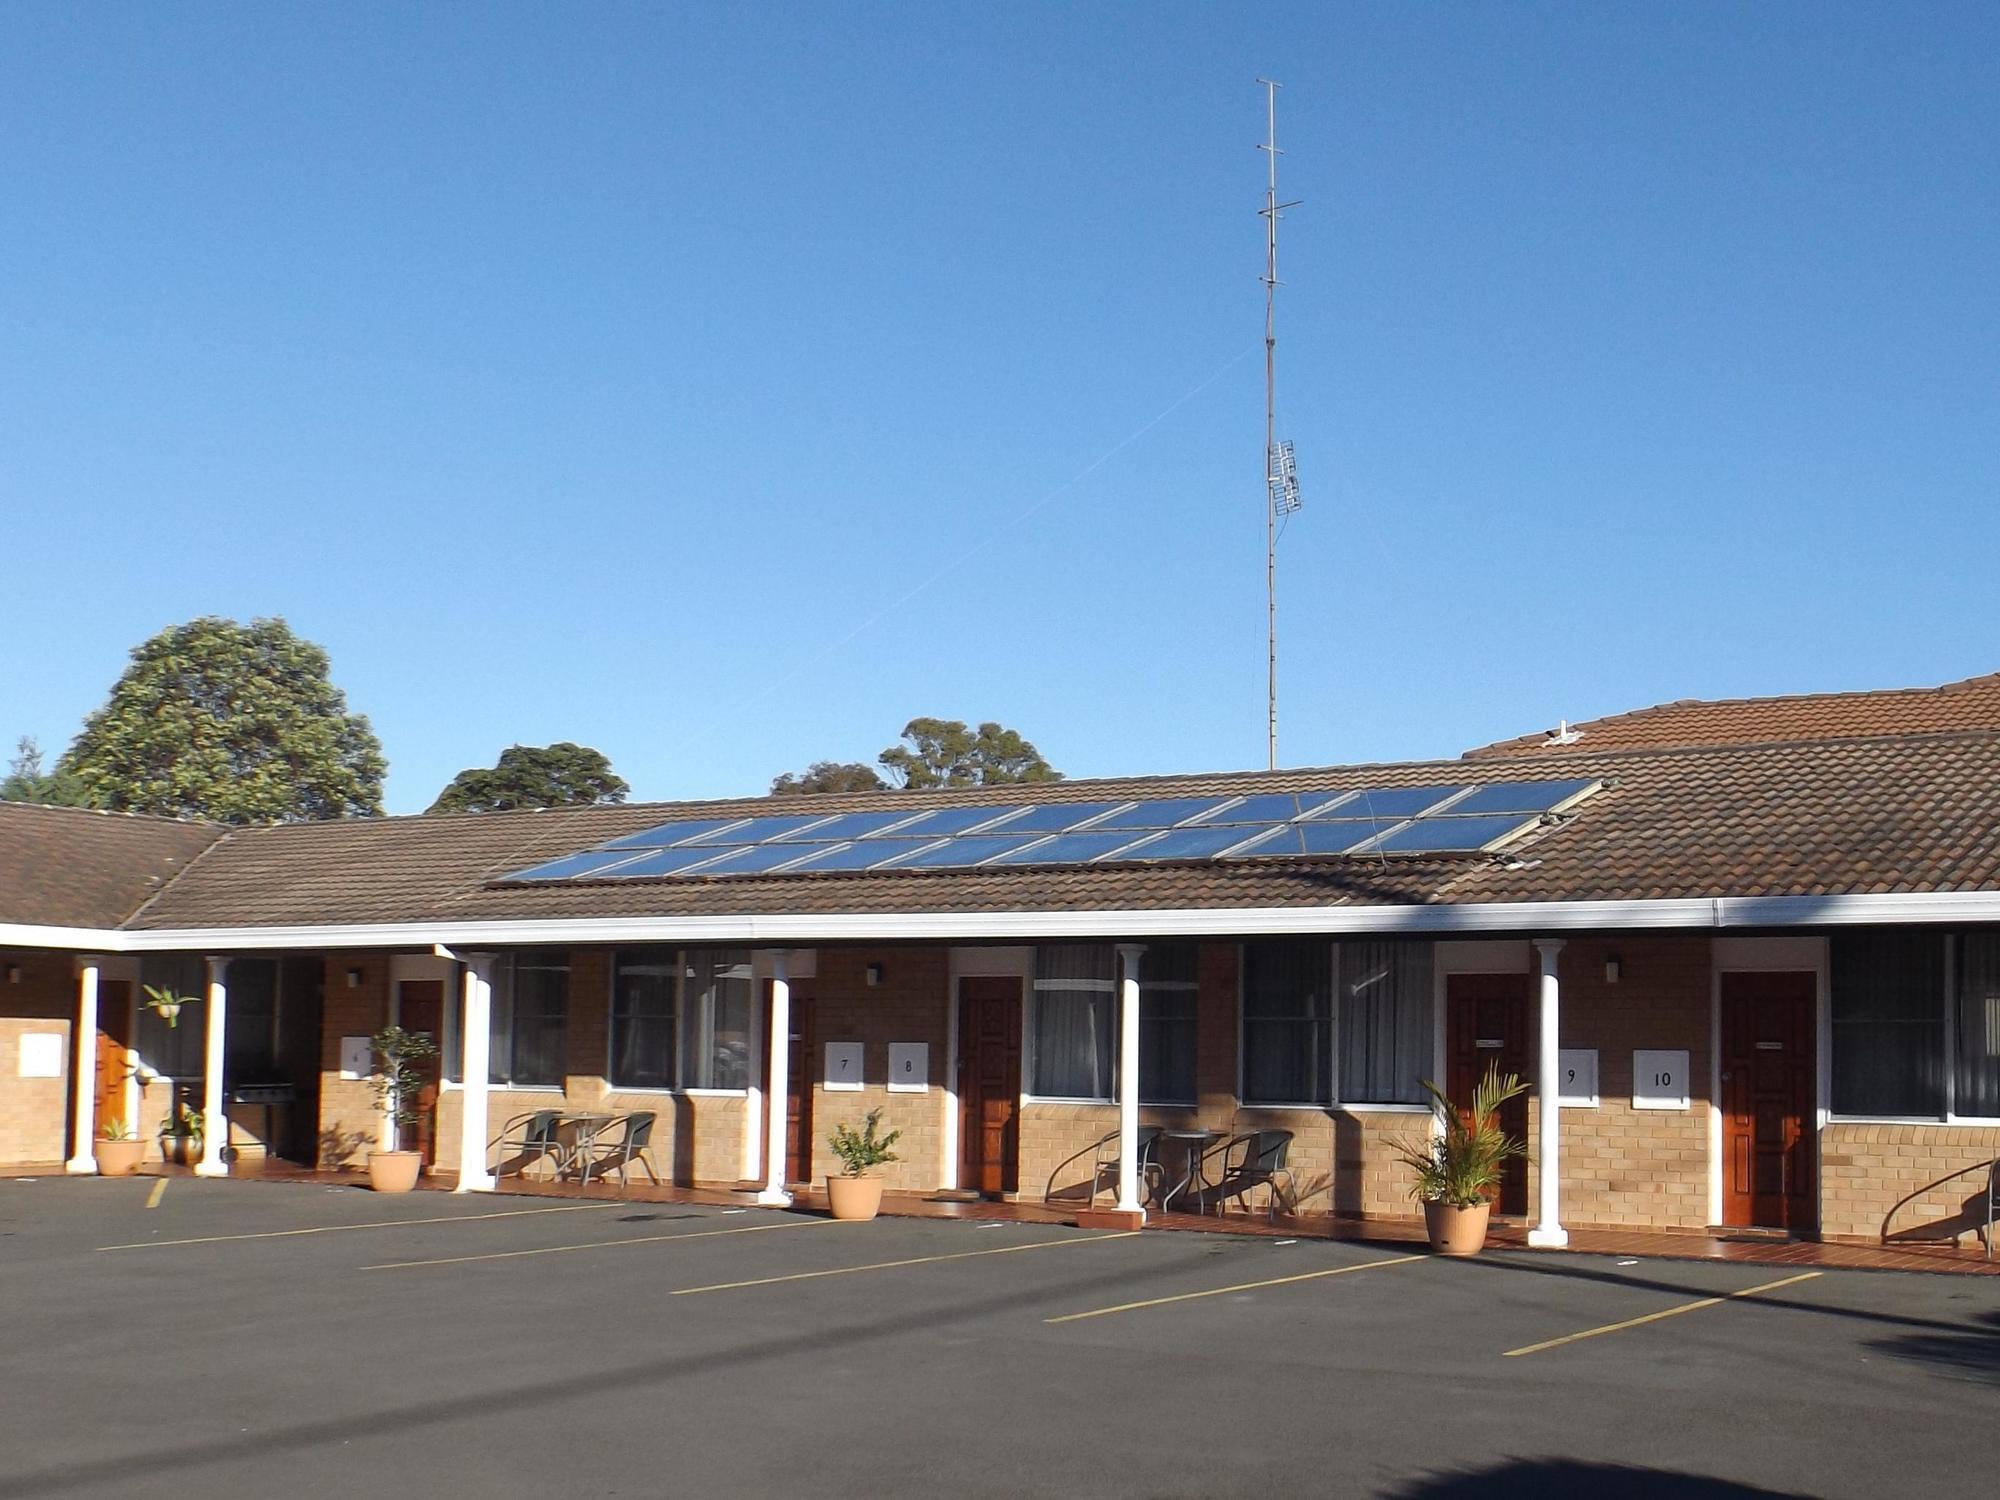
[1665, 1312]
[890, 1265]
[1245, 1286]
[637, 1239]
[279, 1234]
[159, 1191]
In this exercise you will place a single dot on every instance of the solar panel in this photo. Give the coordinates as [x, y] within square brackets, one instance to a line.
[760, 830]
[1267, 807]
[666, 862]
[948, 820]
[754, 860]
[1071, 848]
[1054, 817]
[857, 856]
[846, 826]
[1388, 803]
[965, 851]
[589, 862]
[1520, 797]
[1161, 812]
[1452, 835]
[1299, 840]
[1197, 843]
[670, 833]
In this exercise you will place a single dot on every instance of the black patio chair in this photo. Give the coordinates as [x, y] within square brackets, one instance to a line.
[1103, 1154]
[1251, 1160]
[627, 1142]
[527, 1139]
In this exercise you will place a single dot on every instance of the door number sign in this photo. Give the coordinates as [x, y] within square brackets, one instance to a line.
[1659, 1080]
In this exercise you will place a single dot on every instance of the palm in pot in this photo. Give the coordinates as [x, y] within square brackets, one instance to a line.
[1459, 1168]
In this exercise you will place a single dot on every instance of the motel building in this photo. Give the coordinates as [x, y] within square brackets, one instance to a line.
[1746, 953]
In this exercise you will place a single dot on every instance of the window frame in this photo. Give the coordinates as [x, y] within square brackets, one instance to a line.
[678, 957]
[1336, 1102]
[1948, 1000]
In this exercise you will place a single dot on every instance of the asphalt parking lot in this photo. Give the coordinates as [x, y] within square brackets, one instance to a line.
[253, 1339]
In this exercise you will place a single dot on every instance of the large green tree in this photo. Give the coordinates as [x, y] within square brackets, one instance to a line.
[559, 775]
[829, 776]
[935, 752]
[26, 781]
[235, 723]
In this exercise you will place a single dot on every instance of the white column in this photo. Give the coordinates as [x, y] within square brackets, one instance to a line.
[476, 1027]
[214, 1119]
[1128, 1078]
[779, 1042]
[83, 1069]
[1548, 1233]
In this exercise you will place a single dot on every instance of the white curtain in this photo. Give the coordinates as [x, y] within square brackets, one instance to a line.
[1384, 1019]
[1076, 995]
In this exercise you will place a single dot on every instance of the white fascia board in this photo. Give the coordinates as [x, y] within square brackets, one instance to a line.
[803, 930]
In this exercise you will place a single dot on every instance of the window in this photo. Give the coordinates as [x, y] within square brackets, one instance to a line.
[1287, 1023]
[1385, 1011]
[528, 1028]
[178, 1051]
[1888, 1023]
[1167, 988]
[249, 1039]
[681, 1019]
[1977, 1090]
[1075, 1007]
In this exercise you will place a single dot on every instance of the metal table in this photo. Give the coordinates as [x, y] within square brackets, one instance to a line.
[1196, 1143]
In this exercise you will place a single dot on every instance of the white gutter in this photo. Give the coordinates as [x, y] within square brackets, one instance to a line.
[798, 930]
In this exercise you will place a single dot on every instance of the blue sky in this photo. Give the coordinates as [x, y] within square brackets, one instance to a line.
[723, 388]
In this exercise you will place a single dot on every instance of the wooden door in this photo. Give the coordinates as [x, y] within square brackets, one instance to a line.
[1486, 1023]
[1769, 1066]
[420, 1008]
[989, 1085]
[114, 1049]
[799, 1091]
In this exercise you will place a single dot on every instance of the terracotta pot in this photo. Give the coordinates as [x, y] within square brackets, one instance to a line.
[181, 1150]
[854, 1197]
[1455, 1230]
[394, 1171]
[118, 1158]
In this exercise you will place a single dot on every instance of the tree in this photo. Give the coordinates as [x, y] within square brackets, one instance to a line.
[559, 775]
[27, 782]
[234, 723]
[943, 752]
[829, 776]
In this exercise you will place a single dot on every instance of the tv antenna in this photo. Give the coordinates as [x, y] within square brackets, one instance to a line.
[1281, 477]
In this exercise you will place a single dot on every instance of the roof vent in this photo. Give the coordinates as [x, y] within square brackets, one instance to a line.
[1562, 734]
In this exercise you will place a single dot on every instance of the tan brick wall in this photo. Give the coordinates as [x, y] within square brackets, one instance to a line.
[1904, 1181]
[34, 1112]
[1641, 1168]
[349, 1123]
[911, 1004]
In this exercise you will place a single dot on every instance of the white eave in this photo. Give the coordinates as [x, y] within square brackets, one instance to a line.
[803, 929]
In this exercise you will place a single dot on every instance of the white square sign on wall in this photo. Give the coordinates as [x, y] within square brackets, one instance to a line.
[909, 1067]
[843, 1067]
[1659, 1080]
[1576, 1068]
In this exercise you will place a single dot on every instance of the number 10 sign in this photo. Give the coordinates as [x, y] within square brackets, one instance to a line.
[1659, 1080]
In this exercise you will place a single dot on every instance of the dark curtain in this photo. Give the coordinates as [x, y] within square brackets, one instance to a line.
[1287, 1010]
[1888, 1023]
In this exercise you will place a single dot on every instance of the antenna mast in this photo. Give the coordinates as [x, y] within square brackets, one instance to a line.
[1281, 481]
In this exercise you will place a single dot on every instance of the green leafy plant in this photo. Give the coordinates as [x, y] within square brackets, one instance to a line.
[861, 1149]
[1462, 1164]
[114, 1130]
[164, 1003]
[399, 1076]
[186, 1124]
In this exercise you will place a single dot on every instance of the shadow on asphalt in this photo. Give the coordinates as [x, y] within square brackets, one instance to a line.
[1972, 1353]
[1569, 1479]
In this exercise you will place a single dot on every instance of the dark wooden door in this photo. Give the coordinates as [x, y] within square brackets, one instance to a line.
[1769, 1065]
[989, 1085]
[420, 1008]
[1486, 1023]
[799, 1091]
[114, 1049]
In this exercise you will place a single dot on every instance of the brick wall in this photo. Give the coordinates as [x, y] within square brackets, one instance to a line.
[911, 1004]
[350, 1125]
[34, 1112]
[1922, 1182]
[1641, 1168]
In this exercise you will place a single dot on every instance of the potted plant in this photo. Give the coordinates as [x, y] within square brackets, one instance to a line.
[857, 1192]
[398, 1079]
[181, 1135]
[118, 1150]
[164, 1003]
[1458, 1171]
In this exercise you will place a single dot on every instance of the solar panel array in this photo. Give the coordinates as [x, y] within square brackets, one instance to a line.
[1455, 819]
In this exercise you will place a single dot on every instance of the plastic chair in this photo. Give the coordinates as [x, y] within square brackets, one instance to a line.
[1103, 1154]
[527, 1139]
[633, 1143]
[1252, 1160]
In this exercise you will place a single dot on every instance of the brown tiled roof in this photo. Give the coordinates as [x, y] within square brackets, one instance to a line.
[1971, 704]
[1918, 813]
[65, 867]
